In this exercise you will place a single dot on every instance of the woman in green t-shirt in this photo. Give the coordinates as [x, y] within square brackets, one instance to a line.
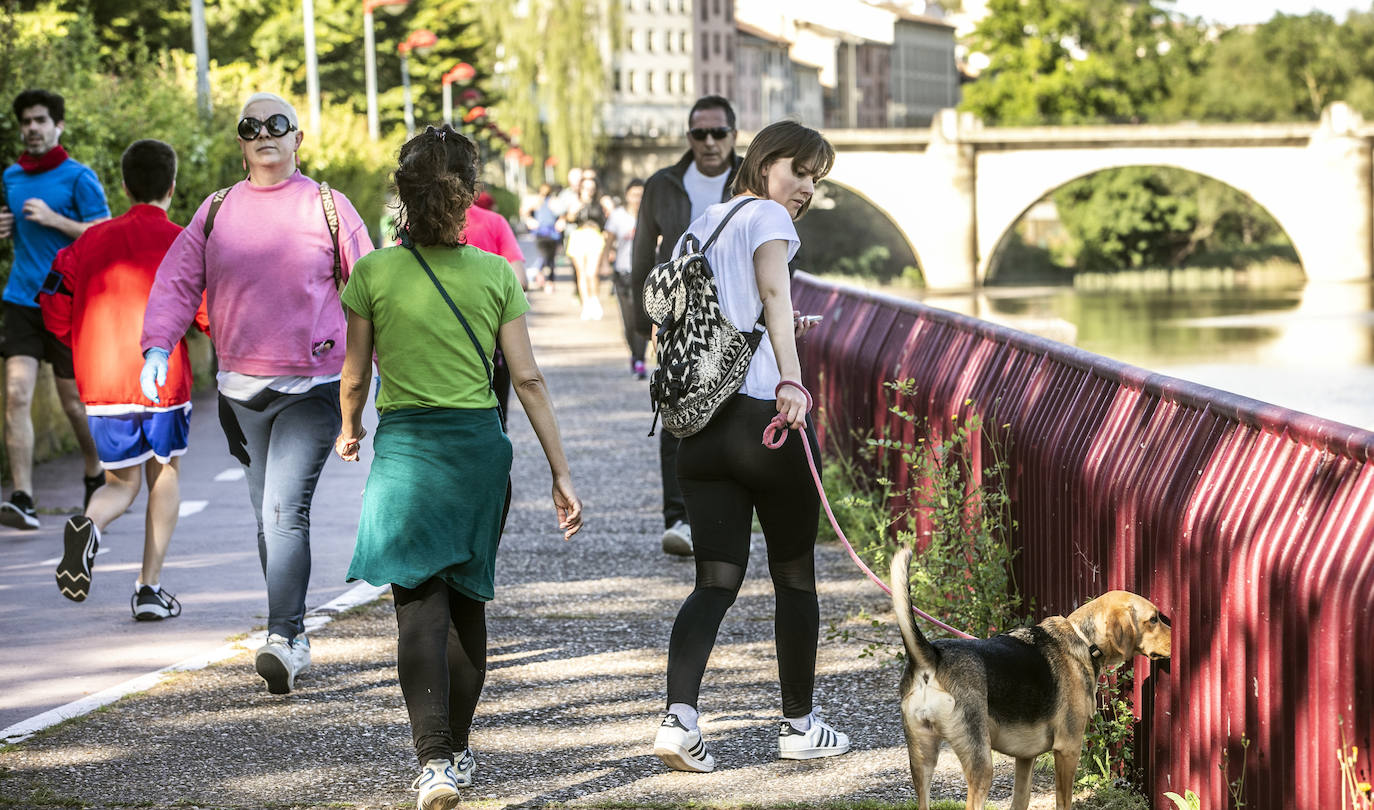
[433, 310]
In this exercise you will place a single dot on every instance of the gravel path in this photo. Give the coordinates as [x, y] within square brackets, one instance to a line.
[578, 634]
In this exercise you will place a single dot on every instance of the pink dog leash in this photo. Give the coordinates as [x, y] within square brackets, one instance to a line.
[773, 437]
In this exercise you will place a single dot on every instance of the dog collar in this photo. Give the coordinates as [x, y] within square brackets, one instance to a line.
[1094, 651]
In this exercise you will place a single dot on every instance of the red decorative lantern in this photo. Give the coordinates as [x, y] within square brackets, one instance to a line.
[463, 72]
[470, 96]
[526, 160]
[474, 113]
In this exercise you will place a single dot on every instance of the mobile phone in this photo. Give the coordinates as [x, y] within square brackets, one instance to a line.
[812, 318]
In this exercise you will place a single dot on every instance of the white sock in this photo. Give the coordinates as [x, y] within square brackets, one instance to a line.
[138, 583]
[687, 714]
[802, 724]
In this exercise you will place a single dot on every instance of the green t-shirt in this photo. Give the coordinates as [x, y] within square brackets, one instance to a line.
[424, 355]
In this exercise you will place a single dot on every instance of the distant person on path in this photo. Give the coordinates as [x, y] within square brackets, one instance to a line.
[437, 494]
[489, 231]
[265, 253]
[48, 201]
[673, 198]
[94, 305]
[548, 235]
[621, 227]
[586, 250]
[727, 475]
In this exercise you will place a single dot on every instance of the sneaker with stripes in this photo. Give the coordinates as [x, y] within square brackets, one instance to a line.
[818, 741]
[436, 785]
[464, 766]
[681, 748]
[80, 542]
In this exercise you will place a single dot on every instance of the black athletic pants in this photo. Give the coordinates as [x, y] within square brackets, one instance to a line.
[726, 474]
[441, 658]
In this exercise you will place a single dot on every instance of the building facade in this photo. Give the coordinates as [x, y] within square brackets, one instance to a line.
[653, 75]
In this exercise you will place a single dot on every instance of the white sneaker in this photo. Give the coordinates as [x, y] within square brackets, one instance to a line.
[464, 766]
[437, 785]
[677, 539]
[280, 660]
[680, 748]
[819, 741]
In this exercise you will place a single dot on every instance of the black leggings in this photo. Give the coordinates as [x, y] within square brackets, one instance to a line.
[726, 475]
[441, 659]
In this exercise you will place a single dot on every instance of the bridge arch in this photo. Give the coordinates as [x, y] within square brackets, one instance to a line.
[998, 240]
[892, 225]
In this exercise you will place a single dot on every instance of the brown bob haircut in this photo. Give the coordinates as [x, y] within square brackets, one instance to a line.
[811, 154]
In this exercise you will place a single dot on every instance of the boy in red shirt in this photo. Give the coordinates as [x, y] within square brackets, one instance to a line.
[94, 301]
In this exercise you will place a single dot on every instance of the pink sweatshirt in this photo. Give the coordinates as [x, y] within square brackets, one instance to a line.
[267, 273]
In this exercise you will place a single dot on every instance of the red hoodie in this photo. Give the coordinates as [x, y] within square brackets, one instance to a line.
[106, 276]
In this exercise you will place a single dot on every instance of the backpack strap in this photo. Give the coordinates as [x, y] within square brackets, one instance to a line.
[331, 218]
[721, 226]
[215, 202]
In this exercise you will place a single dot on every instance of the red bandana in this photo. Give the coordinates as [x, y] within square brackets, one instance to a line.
[49, 160]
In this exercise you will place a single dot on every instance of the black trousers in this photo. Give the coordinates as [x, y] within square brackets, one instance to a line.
[634, 338]
[726, 474]
[441, 659]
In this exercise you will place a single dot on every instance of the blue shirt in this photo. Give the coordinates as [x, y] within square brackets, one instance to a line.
[70, 189]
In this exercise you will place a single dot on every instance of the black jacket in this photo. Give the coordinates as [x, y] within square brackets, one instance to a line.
[665, 211]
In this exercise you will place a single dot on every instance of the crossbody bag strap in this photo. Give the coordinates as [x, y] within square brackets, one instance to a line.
[331, 218]
[215, 202]
[482, 355]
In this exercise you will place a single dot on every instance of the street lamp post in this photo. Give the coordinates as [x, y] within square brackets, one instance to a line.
[374, 129]
[198, 44]
[419, 41]
[461, 72]
[312, 67]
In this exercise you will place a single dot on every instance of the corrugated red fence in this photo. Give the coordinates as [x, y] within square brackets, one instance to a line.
[1252, 526]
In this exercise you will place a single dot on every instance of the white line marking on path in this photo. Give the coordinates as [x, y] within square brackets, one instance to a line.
[191, 507]
[315, 619]
[231, 474]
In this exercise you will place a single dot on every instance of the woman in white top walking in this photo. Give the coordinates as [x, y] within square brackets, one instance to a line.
[726, 474]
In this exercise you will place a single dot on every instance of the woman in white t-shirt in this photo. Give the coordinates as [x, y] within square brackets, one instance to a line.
[727, 475]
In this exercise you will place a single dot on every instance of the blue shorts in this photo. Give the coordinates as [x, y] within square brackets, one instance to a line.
[127, 440]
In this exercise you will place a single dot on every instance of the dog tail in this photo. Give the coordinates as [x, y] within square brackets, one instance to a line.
[918, 648]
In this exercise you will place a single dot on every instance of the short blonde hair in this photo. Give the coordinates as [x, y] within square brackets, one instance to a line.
[256, 97]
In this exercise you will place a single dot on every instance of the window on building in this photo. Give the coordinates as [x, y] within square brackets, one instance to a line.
[705, 13]
[682, 41]
[705, 45]
[716, 43]
[729, 86]
[648, 41]
[718, 12]
[668, 82]
[630, 40]
[618, 79]
[729, 48]
[630, 82]
[649, 82]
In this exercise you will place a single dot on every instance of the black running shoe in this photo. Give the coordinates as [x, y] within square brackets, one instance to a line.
[92, 483]
[80, 541]
[18, 511]
[151, 605]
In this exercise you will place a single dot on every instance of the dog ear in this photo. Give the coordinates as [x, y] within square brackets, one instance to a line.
[1123, 629]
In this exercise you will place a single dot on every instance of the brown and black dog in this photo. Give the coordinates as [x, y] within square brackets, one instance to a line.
[1021, 693]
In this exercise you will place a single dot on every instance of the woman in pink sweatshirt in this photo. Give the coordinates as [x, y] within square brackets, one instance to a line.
[270, 253]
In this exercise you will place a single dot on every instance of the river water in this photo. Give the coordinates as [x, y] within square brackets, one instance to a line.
[1300, 345]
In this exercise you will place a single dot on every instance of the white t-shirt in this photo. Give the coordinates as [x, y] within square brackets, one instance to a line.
[732, 261]
[703, 191]
[622, 223]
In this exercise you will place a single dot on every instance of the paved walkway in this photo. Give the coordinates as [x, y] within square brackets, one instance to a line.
[578, 634]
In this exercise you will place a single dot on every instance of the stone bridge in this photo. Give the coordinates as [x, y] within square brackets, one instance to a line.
[956, 190]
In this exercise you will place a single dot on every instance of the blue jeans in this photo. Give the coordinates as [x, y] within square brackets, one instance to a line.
[282, 441]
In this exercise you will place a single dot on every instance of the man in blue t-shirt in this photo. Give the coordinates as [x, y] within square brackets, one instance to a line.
[49, 200]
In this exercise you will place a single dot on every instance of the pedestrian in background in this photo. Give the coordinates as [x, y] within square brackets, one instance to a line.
[97, 282]
[489, 231]
[728, 476]
[586, 220]
[270, 252]
[620, 226]
[548, 235]
[673, 198]
[435, 502]
[48, 201]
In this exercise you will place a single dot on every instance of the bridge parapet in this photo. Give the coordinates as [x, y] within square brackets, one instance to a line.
[1250, 525]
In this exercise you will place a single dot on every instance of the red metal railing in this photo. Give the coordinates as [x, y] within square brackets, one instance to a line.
[1252, 526]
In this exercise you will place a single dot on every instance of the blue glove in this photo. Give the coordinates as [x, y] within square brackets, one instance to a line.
[154, 373]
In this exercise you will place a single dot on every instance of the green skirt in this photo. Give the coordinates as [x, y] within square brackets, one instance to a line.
[434, 500]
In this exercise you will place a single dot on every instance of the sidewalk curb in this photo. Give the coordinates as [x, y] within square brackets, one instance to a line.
[360, 594]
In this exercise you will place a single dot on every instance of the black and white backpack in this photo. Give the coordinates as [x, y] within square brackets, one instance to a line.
[702, 357]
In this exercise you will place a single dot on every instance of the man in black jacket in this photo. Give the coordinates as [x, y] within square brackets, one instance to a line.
[673, 198]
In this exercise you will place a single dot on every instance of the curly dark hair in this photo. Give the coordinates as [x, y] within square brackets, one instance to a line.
[436, 181]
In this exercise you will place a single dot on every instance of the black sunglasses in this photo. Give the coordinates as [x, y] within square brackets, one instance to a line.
[700, 133]
[277, 125]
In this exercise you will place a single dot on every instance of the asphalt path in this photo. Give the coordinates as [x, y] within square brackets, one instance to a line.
[54, 651]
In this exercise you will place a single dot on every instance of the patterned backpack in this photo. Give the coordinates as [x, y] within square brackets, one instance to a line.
[702, 357]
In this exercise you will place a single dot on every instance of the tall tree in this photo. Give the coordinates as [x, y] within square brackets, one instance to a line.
[556, 57]
[1072, 61]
